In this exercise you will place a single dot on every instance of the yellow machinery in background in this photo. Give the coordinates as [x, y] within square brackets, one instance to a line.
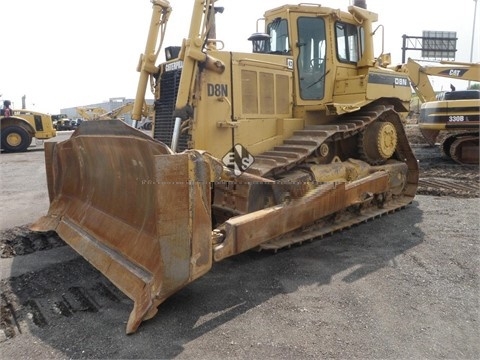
[116, 113]
[18, 130]
[90, 113]
[457, 112]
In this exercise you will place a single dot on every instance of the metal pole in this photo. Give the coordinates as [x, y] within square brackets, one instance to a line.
[473, 35]
[176, 133]
[404, 47]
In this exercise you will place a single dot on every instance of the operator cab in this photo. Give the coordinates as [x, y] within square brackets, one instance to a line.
[311, 54]
[324, 44]
[462, 95]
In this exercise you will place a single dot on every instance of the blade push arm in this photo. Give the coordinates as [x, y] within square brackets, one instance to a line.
[193, 51]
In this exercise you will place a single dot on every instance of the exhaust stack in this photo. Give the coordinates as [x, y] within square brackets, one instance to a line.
[360, 3]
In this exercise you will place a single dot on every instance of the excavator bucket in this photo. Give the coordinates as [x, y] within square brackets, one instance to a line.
[430, 135]
[128, 205]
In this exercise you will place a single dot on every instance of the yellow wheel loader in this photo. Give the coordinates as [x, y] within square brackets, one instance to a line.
[18, 129]
[300, 138]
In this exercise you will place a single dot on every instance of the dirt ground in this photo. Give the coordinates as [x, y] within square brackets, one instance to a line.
[439, 175]
[404, 286]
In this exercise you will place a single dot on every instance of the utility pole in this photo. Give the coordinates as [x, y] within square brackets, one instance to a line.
[473, 35]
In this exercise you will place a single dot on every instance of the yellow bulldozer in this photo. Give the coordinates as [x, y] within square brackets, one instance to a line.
[299, 138]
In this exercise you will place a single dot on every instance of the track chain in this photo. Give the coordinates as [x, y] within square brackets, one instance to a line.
[304, 143]
[460, 140]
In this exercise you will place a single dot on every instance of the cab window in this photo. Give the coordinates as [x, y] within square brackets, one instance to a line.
[349, 42]
[311, 57]
[278, 31]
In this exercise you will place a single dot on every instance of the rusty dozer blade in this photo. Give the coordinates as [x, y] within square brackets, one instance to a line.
[128, 205]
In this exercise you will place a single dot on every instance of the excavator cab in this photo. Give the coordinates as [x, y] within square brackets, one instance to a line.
[261, 150]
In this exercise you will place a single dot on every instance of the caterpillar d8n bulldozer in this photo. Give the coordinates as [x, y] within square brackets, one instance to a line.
[299, 138]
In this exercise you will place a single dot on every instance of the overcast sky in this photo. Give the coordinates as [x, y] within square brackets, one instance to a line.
[62, 53]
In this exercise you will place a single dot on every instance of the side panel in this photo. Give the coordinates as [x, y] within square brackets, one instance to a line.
[388, 84]
[246, 104]
[263, 88]
[211, 128]
[454, 114]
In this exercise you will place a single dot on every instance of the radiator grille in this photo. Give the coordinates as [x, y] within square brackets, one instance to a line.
[164, 108]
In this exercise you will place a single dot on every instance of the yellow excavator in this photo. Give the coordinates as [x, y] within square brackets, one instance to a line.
[117, 112]
[297, 139]
[457, 112]
[125, 109]
[90, 112]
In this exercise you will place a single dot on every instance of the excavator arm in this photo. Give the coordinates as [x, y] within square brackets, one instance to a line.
[90, 113]
[115, 113]
[419, 75]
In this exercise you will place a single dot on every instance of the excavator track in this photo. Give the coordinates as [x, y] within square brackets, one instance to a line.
[296, 150]
[462, 148]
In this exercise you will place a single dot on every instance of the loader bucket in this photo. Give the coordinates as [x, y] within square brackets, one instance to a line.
[128, 205]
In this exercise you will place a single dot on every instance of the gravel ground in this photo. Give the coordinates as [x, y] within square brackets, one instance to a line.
[404, 286]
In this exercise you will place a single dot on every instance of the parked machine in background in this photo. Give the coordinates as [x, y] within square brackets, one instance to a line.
[58, 117]
[457, 112]
[90, 113]
[62, 122]
[116, 113]
[298, 139]
[126, 109]
[21, 126]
